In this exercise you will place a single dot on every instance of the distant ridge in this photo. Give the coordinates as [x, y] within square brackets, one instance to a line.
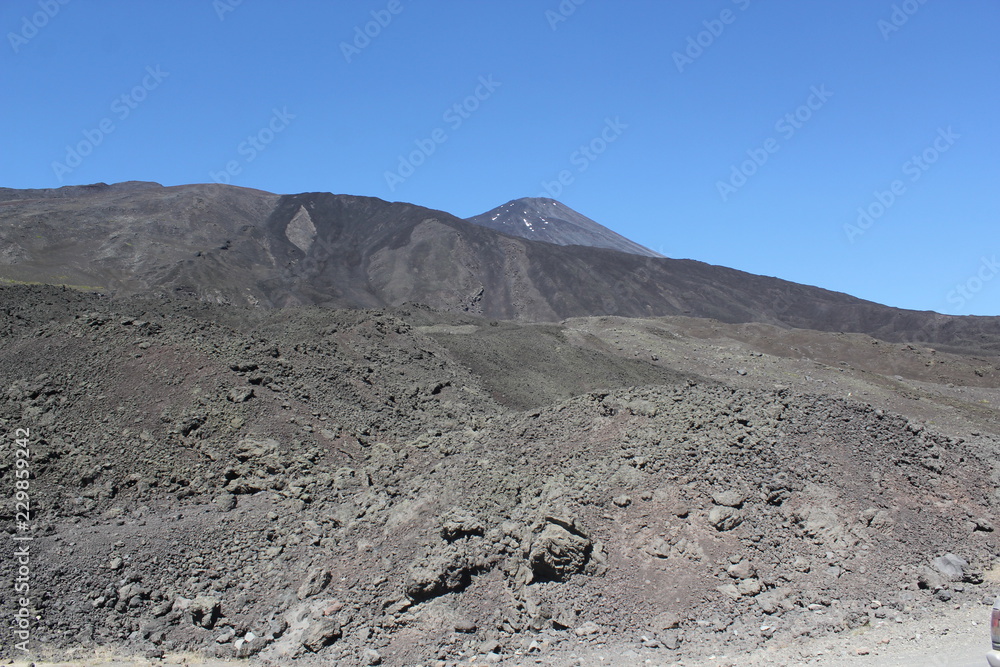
[10, 194]
[547, 220]
[226, 244]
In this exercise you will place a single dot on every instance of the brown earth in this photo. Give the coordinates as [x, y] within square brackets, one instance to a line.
[327, 485]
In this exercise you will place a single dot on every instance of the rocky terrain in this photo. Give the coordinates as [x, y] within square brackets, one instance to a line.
[402, 485]
[237, 246]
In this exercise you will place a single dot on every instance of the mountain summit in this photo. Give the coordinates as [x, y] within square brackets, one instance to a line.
[547, 220]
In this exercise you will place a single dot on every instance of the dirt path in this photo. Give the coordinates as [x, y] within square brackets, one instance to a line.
[945, 638]
[941, 638]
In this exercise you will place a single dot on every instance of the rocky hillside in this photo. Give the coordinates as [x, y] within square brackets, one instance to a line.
[231, 245]
[402, 486]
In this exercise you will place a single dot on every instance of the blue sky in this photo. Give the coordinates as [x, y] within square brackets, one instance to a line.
[737, 132]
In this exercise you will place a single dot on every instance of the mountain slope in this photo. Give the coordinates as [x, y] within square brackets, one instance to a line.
[233, 245]
[310, 485]
[547, 220]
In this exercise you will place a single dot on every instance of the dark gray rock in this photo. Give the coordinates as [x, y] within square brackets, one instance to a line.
[205, 611]
[558, 553]
[320, 634]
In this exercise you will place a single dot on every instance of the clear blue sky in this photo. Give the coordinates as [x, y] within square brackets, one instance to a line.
[200, 77]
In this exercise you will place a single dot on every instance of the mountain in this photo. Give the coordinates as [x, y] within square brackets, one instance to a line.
[225, 244]
[11, 194]
[404, 485]
[547, 220]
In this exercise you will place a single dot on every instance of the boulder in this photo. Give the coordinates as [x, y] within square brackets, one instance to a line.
[723, 517]
[442, 572]
[317, 579]
[951, 567]
[728, 498]
[461, 524]
[557, 553]
[205, 611]
[320, 634]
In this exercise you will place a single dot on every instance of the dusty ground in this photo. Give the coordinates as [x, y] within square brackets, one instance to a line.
[409, 487]
[955, 636]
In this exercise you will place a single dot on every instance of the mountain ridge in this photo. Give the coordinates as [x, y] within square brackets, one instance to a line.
[225, 244]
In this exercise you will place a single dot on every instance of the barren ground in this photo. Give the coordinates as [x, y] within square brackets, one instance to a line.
[409, 487]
